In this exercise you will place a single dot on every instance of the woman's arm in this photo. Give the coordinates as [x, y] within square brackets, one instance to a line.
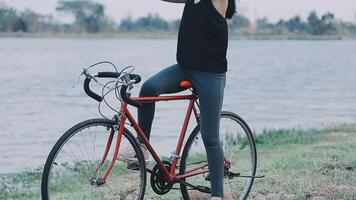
[221, 6]
[176, 1]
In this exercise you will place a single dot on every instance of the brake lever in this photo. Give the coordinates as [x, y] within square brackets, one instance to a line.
[128, 81]
[87, 74]
[80, 75]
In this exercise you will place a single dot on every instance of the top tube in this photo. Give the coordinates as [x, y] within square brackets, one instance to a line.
[165, 98]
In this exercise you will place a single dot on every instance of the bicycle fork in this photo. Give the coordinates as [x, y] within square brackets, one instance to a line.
[120, 128]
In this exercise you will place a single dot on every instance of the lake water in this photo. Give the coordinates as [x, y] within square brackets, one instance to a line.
[272, 84]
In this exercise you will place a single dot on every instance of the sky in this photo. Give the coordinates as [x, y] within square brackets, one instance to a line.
[272, 9]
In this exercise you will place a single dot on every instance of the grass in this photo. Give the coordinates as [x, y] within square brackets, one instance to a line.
[309, 164]
[298, 164]
[21, 186]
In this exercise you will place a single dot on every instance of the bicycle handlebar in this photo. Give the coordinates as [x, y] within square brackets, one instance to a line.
[135, 77]
[89, 92]
[127, 98]
[123, 91]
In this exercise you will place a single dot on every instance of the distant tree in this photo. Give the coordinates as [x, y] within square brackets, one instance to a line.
[32, 21]
[352, 29]
[10, 21]
[279, 27]
[263, 23]
[127, 24]
[314, 24]
[239, 21]
[88, 15]
[281, 22]
[295, 24]
[328, 24]
[150, 22]
[174, 25]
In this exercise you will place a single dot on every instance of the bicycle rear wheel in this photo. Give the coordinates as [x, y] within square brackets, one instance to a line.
[73, 167]
[239, 148]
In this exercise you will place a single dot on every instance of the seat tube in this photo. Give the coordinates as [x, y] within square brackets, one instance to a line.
[182, 136]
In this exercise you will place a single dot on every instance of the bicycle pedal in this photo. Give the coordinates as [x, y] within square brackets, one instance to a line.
[204, 189]
[133, 166]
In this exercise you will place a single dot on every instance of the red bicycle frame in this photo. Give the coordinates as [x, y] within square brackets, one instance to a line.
[126, 115]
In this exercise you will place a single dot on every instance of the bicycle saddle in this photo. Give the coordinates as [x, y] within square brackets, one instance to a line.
[186, 84]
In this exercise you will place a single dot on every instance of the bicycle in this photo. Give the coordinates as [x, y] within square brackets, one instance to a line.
[78, 166]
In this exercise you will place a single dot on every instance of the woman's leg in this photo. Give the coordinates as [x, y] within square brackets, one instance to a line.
[165, 82]
[210, 88]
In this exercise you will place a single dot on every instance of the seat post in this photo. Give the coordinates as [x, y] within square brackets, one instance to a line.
[196, 110]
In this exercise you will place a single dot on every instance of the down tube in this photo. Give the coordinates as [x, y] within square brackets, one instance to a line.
[148, 145]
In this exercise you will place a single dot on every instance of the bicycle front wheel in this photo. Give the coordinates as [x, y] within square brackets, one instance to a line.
[239, 150]
[76, 163]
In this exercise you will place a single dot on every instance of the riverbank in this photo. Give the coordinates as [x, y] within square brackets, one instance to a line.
[317, 164]
[298, 164]
[171, 35]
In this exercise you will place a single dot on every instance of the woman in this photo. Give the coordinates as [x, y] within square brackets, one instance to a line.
[201, 57]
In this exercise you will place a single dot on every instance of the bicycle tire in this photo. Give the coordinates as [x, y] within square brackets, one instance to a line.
[194, 137]
[49, 171]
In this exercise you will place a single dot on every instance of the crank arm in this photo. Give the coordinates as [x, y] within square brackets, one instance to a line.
[200, 188]
[134, 166]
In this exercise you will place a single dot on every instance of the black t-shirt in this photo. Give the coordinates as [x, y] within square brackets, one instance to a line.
[202, 38]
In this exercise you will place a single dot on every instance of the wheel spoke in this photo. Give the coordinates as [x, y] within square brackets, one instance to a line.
[239, 148]
[74, 159]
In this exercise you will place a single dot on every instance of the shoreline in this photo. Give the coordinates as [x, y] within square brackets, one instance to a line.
[168, 35]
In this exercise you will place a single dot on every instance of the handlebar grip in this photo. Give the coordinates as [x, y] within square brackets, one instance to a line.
[127, 99]
[89, 92]
[135, 77]
[108, 75]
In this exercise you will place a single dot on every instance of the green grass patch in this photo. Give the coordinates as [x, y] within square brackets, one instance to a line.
[24, 185]
[307, 164]
[298, 164]
[270, 138]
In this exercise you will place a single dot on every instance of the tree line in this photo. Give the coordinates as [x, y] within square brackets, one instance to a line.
[90, 17]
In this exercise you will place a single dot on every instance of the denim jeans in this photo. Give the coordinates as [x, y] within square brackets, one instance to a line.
[210, 89]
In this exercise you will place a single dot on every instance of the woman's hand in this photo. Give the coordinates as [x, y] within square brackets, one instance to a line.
[176, 1]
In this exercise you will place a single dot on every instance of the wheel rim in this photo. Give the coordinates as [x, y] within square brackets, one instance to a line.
[239, 149]
[71, 173]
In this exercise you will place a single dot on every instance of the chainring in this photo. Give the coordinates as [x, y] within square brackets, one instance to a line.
[159, 181]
